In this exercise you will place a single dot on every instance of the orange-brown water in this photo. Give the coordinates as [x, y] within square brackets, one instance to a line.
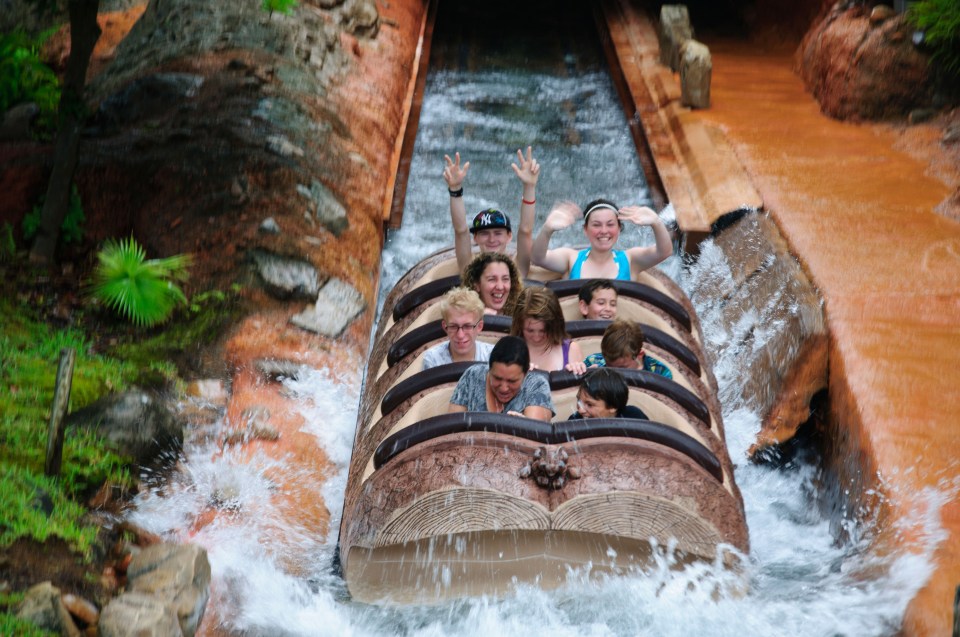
[858, 213]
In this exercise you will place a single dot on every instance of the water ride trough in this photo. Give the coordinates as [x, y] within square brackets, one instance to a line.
[445, 505]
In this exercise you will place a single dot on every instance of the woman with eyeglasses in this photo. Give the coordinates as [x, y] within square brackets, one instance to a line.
[538, 319]
[604, 393]
[504, 385]
[602, 224]
[462, 312]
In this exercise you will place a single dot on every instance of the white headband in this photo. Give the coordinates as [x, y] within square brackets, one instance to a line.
[598, 206]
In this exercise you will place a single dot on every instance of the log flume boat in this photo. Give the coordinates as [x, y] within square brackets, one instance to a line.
[442, 505]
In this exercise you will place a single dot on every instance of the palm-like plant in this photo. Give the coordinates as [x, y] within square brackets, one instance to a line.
[140, 289]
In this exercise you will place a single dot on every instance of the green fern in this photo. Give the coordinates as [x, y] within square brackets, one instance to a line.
[940, 22]
[141, 290]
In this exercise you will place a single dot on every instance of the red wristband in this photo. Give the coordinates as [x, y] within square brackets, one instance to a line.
[529, 203]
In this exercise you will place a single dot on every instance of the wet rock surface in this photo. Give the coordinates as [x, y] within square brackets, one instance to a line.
[864, 65]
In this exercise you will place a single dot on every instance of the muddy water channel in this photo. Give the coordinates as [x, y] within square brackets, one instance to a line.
[498, 83]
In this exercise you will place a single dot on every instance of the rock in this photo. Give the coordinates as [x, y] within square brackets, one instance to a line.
[284, 277]
[280, 145]
[360, 18]
[337, 305]
[920, 115]
[696, 68]
[137, 423]
[880, 13]
[178, 575]
[269, 226]
[673, 31]
[43, 607]
[328, 211]
[138, 614]
[148, 98]
[860, 71]
[275, 369]
[83, 610]
[17, 124]
[209, 390]
[951, 135]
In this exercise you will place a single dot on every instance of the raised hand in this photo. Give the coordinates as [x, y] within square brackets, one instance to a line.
[454, 173]
[563, 215]
[639, 215]
[527, 168]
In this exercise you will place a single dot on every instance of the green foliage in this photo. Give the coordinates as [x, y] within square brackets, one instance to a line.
[29, 354]
[940, 22]
[8, 247]
[200, 322]
[280, 6]
[141, 290]
[24, 78]
[10, 625]
[71, 231]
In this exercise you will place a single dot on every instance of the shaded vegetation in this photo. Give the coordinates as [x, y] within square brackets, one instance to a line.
[25, 78]
[940, 22]
[71, 230]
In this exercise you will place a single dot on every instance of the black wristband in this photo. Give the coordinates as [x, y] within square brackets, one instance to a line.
[456, 193]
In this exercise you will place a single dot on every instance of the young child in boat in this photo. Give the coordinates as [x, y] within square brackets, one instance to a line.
[538, 319]
[491, 228]
[602, 224]
[598, 300]
[603, 393]
[622, 346]
[504, 385]
[495, 277]
[462, 312]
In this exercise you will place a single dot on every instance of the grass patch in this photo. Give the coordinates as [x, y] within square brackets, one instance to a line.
[35, 506]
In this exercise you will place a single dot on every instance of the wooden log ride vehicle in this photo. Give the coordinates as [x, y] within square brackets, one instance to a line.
[444, 505]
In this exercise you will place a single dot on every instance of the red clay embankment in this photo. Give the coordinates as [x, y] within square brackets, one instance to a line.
[858, 213]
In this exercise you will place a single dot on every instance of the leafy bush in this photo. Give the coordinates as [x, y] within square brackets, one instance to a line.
[280, 6]
[8, 247]
[141, 290]
[71, 231]
[940, 22]
[24, 78]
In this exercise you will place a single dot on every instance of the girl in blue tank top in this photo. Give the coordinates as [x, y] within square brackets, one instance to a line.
[602, 223]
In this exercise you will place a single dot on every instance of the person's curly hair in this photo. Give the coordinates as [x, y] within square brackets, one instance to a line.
[470, 278]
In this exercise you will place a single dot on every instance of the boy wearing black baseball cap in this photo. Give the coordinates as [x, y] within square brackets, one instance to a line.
[491, 228]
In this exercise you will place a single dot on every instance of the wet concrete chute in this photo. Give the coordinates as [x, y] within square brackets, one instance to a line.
[502, 77]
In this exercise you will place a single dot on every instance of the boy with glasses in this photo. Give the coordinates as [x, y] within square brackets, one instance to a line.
[462, 312]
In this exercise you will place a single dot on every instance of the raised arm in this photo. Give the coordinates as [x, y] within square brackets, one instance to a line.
[645, 257]
[454, 174]
[527, 170]
[557, 260]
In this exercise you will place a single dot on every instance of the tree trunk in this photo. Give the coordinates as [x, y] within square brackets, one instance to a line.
[84, 33]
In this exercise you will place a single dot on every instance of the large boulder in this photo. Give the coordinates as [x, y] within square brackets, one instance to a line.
[137, 423]
[863, 65]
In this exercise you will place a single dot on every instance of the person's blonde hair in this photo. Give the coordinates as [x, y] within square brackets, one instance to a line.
[461, 299]
[621, 339]
[540, 303]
